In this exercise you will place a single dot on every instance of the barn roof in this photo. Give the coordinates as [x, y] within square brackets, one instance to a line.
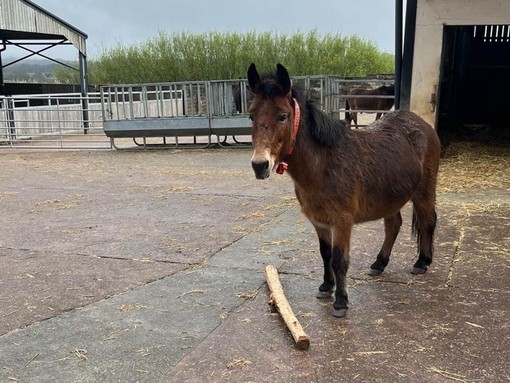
[25, 20]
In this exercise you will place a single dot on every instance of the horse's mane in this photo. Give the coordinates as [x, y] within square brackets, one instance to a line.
[268, 86]
[323, 129]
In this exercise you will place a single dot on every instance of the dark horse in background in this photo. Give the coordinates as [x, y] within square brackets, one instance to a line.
[343, 176]
[364, 102]
[239, 94]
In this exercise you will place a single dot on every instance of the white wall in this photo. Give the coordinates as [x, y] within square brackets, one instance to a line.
[430, 18]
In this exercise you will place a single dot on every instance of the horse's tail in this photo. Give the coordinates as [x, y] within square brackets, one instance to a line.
[414, 226]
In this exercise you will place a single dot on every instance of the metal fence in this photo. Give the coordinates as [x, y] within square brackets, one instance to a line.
[338, 88]
[185, 109]
[52, 121]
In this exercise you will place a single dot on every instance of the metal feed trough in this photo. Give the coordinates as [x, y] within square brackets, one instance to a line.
[198, 110]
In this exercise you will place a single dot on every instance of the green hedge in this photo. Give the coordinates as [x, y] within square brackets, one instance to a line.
[215, 55]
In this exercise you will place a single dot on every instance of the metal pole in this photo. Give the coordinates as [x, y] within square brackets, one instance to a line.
[398, 49]
[2, 91]
[407, 55]
[84, 92]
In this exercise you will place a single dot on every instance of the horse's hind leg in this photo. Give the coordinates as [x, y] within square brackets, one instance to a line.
[392, 225]
[354, 117]
[424, 225]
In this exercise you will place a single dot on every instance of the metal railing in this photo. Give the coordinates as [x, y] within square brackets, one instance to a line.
[52, 121]
[196, 108]
[217, 100]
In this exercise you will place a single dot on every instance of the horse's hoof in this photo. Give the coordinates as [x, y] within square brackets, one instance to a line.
[374, 272]
[324, 294]
[339, 313]
[418, 270]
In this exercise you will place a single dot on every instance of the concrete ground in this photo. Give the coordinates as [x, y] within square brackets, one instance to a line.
[147, 266]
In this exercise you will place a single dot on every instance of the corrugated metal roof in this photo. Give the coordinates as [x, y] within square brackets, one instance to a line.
[23, 19]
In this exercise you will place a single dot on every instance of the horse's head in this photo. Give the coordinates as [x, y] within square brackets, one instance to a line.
[272, 115]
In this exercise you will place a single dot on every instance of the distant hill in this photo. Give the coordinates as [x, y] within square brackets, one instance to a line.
[30, 70]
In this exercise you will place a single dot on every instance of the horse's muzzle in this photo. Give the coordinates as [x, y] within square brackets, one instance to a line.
[261, 169]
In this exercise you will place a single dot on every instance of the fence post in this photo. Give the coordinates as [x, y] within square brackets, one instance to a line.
[10, 120]
[398, 50]
[84, 92]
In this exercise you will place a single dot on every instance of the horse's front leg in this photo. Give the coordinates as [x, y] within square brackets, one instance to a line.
[327, 287]
[334, 246]
[340, 265]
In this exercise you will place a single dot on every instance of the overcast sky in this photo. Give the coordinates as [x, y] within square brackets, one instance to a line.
[110, 22]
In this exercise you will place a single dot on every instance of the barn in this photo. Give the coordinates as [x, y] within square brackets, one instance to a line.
[36, 31]
[456, 64]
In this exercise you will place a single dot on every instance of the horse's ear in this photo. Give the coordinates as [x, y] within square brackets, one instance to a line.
[253, 77]
[283, 78]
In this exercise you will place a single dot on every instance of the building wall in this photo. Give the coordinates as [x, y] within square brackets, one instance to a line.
[430, 18]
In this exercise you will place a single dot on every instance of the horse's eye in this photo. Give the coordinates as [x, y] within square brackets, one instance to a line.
[283, 117]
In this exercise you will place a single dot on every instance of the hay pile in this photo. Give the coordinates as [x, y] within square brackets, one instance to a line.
[468, 165]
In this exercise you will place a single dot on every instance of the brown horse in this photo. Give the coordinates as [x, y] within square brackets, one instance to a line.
[362, 102]
[345, 176]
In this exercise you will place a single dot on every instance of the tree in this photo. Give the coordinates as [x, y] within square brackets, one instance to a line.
[214, 55]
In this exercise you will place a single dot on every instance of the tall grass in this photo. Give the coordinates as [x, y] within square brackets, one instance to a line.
[215, 55]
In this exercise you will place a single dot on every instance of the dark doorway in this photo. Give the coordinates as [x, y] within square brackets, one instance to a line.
[474, 93]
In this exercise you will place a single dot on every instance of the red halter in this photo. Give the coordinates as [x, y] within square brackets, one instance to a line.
[282, 165]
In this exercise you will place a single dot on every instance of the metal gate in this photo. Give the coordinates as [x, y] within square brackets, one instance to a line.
[52, 121]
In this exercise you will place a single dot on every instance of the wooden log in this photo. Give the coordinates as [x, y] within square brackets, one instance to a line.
[278, 299]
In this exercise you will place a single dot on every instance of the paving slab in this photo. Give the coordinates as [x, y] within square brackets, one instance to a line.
[482, 259]
[37, 285]
[393, 332]
[41, 210]
[129, 337]
[273, 243]
[155, 324]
